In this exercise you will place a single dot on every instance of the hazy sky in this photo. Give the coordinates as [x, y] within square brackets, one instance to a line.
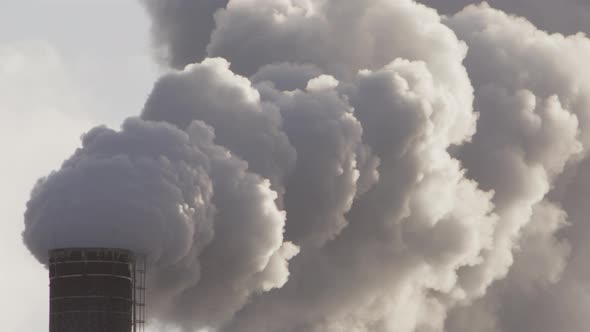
[58, 59]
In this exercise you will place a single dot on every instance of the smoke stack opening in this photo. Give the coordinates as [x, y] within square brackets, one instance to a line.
[96, 289]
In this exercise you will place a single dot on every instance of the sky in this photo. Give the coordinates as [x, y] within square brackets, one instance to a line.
[57, 63]
[304, 165]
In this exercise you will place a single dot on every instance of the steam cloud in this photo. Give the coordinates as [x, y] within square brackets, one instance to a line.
[324, 165]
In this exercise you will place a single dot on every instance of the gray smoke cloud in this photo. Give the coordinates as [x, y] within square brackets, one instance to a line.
[326, 166]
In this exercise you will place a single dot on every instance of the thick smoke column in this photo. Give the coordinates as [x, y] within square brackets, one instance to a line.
[324, 165]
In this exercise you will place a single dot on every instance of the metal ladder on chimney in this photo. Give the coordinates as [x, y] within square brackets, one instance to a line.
[139, 271]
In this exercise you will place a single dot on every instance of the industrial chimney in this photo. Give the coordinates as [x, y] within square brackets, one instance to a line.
[96, 290]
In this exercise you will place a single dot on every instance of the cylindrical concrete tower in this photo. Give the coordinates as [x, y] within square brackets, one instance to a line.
[91, 290]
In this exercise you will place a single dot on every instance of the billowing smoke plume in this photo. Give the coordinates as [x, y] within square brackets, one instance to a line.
[326, 166]
[564, 16]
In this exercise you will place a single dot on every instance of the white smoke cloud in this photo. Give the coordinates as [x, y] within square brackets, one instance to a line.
[319, 165]
[565, 16]
[175, 196]
[534, 98]
[210, 92]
